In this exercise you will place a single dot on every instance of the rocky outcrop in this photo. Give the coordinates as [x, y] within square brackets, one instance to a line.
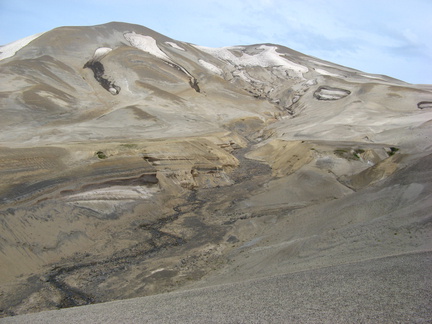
[330, 93]
[424, 104]
[99, 74]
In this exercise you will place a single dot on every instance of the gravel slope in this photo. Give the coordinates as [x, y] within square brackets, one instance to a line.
[395, 289]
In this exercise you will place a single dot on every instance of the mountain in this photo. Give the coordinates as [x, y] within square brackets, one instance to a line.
[133, 164]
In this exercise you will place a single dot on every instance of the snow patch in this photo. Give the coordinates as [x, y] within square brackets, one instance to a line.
[371, 77]
[49, 95]
[175, 46]
[320, 63]
[311, 82]
[101, 52]
[113, 91]
[147, 44]
[127, 85]
[157, 270]
[324, 72]
[210, 67]
[245, 76]
[267, 57]
[11, 48]
[115, 193]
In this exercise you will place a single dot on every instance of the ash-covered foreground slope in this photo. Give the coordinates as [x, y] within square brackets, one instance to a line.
[133, 164]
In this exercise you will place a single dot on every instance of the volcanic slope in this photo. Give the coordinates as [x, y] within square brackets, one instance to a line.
[133, 164]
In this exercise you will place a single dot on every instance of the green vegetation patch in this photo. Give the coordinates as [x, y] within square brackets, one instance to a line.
[101, 155]
[340, 152]
[357, 152]
[349, 155]
[392, 151]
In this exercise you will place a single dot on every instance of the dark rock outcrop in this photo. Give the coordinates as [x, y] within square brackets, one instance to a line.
[99, 74]
[424, 104]
[329, 93]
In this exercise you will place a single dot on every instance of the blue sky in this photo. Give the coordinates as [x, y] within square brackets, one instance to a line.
[392, 37]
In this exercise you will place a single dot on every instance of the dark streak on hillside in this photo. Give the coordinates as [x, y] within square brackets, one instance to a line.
[424, 104]
[193, 82]
[99, 72]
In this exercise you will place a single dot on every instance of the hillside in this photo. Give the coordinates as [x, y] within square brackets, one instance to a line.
[133, 165]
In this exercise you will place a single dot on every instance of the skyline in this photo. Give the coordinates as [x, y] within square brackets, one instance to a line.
[374, 36]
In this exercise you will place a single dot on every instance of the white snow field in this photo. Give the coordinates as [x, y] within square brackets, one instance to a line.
[147, 44]
[10, 49]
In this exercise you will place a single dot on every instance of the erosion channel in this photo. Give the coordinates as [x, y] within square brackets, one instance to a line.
[146, 249]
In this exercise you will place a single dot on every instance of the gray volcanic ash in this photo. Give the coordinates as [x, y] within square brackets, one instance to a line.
[133, 164]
